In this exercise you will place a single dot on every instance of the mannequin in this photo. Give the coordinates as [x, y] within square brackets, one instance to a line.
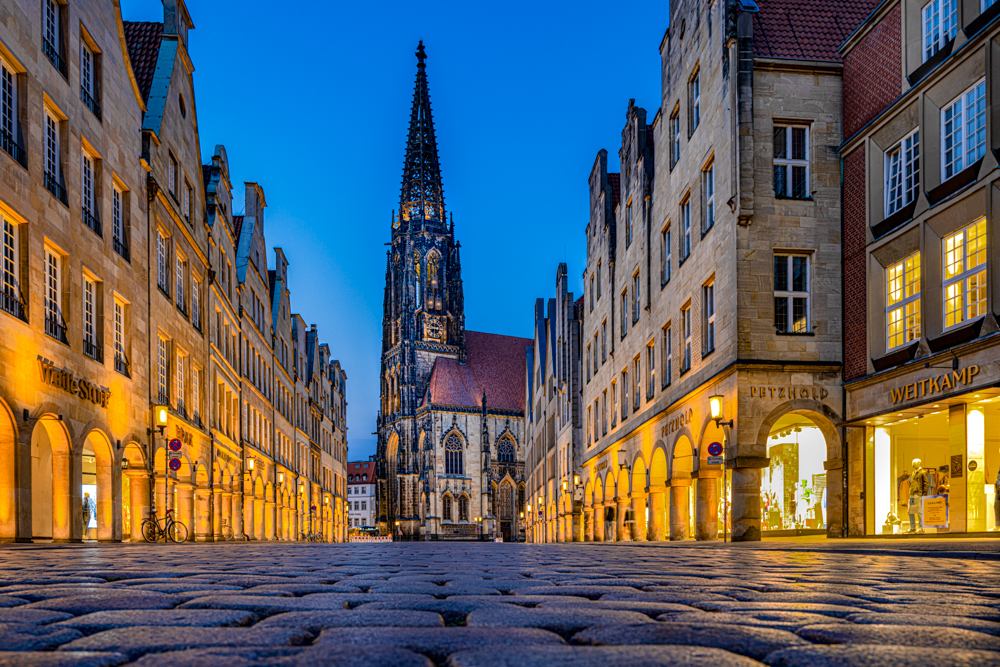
[919, 486]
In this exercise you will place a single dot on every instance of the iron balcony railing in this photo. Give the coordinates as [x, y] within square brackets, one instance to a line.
[53, 186]
[122, 363]
[122, 249]
[92, 350]
[92, 221]
[92, 104]
[13, 148]
[11, 303]
[55, 327]
[53, 55]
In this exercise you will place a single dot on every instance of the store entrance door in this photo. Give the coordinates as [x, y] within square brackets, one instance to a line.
[793, 488]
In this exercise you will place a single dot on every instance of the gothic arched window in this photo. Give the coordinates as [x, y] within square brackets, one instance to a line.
[453, 455]
[463, 508]
[433, 282]
[446, 508]
[505, 509]
[416, 271]
[505, 451]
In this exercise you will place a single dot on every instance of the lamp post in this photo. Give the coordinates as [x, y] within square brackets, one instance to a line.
[715, 405]
[160, 415]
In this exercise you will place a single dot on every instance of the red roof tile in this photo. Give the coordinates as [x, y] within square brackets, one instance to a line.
[807, 29]
[615, 181]
[494, 364]
[360, 468]
[237, 226]
[143, 40]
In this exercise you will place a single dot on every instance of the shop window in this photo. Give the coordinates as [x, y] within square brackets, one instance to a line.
[902, 299]
[963, 130]
[791, 161]
[791, 294]
[939, 24]
[902, 173]
[793, 488]
[965, 274]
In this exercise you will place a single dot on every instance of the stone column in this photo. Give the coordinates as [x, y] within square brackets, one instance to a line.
[588, 524]
[202, 517]
[238, 515]
[658, 512]
[745, 510]
[639, 510]
[257, 518]
[599, 522]
[679, 510]
[577, 519]
[217, 514]
[269, 520]
[621, 535]
[224, 509]
[138, 503]
[706, 525]
[185, 507]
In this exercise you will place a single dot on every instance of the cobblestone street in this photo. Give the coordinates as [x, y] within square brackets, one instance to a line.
[498, 604]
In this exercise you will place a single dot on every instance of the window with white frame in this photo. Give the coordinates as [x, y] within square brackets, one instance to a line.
[195, 299]
[628, 224]
[11, 295]
[675, 137]
[599, 290]
[965, 274]
[180, 270]
[637, 380]
[186, 205]
[88, 191]
[708, 298]
[121, 359]
[963, 130]
[117, 221]
[902, 173]
[88, 78]
[171, 174]
[52, 156]
[89, 317]
[708, 187]
[791, 161]
[624, 315]
[902, 302]
[939, 23]
[791, 293]
[604, 341]
[163, 369]
[625, 389]
[667, 345]
[53, 294]
[635, 297]
[695, 91]
[665, 254]
[52, 26]
[162, 263]
[595, 354]
[195, 392]
[8, 106]
[181, 361]
[686, 325]
[614, 403]
[686, 223]
[650, 368]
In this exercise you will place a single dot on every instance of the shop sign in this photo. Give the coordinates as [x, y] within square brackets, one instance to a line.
[65, 380]
[601, 465]
[184, 436]
[789, 392]
[927, 386]
[935, 514]
[677, 423]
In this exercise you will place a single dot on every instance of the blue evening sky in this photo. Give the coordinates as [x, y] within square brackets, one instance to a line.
[312, 101]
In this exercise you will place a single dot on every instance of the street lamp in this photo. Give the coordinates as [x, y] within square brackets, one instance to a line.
[576, 480]
[715, 406]
[250, 464]
[281, 478]
[622, 460]
[160, 413]
[565, 485]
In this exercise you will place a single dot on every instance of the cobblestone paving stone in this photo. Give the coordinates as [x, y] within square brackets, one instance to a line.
[485, 604]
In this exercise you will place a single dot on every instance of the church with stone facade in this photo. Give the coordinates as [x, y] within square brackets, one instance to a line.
[451, 422]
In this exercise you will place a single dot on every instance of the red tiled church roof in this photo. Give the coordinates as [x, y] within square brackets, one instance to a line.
[143, 41]
[806, 29]
[615, 181]
[494, 364]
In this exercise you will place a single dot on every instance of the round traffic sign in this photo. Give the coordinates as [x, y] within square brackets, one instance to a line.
[175, 464]
[175, 445]
[715, 449]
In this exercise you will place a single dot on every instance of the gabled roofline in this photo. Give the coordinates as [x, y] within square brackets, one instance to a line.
[128, 60]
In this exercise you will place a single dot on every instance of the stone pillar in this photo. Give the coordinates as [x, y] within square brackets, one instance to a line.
[185, 507]
[257, 518]
[588, 524]
[202, 517]
[269, 521]
[577, 519]
[238, 515]
[679, 511]
[658, 513]
[599, 522]
[224, 510]
[138, 503]
[706, 525]
[639, 510]
[217, 513]
[621, 530]
[745, 509]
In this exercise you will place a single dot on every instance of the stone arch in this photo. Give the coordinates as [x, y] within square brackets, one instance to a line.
[610, 486]
[658, 470]
[710, 432]
[258, 488]
[51, 474]
[454, 452]
[101, 472]
[506, 510]
[8, 472]
[817, 412]
[506, 449]
[682, 461]
[639, 478]
[598, 490]
[588, 494]
[464, 507]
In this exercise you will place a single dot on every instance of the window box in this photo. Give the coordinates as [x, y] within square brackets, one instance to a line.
[957, 335]
[894, 221]
[982, 20]
[896, 357]
[931, 63]
[967, 176]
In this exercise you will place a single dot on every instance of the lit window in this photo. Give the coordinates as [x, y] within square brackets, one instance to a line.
[686, 320]
[665, 255]
[708, 296]
[902, 173]
[965, 274]
[708, 179]
[89, 318]
[939, 24]
[902, 301]
[963, 130]
[11, 294]
[791, 161]
[791, 294]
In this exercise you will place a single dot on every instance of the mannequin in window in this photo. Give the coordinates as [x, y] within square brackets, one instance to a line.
[919, 486]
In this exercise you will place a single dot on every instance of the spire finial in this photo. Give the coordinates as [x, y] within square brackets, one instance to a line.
[421, 54]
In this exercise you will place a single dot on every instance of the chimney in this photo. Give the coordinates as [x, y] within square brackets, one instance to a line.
[254, 203]
[176, 20]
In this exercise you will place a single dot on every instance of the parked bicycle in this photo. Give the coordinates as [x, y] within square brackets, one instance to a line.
[169, 529]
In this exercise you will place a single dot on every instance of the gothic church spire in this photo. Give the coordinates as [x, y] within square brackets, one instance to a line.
[422, 197]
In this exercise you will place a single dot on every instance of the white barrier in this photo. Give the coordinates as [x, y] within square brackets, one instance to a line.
[370, 538]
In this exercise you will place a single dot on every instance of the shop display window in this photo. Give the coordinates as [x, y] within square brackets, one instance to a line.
[934, 472]
[793, 488]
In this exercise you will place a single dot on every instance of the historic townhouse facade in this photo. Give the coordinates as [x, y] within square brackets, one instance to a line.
[361, 504]
[451, 424]
[554, 434]
[125, 315]
[713, 286]
[921, 287]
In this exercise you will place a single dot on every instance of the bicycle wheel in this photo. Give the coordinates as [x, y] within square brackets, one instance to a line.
[177, 532]
[227, 533]
[150, 531]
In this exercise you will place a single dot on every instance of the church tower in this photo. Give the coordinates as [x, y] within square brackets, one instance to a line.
[423, 312]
